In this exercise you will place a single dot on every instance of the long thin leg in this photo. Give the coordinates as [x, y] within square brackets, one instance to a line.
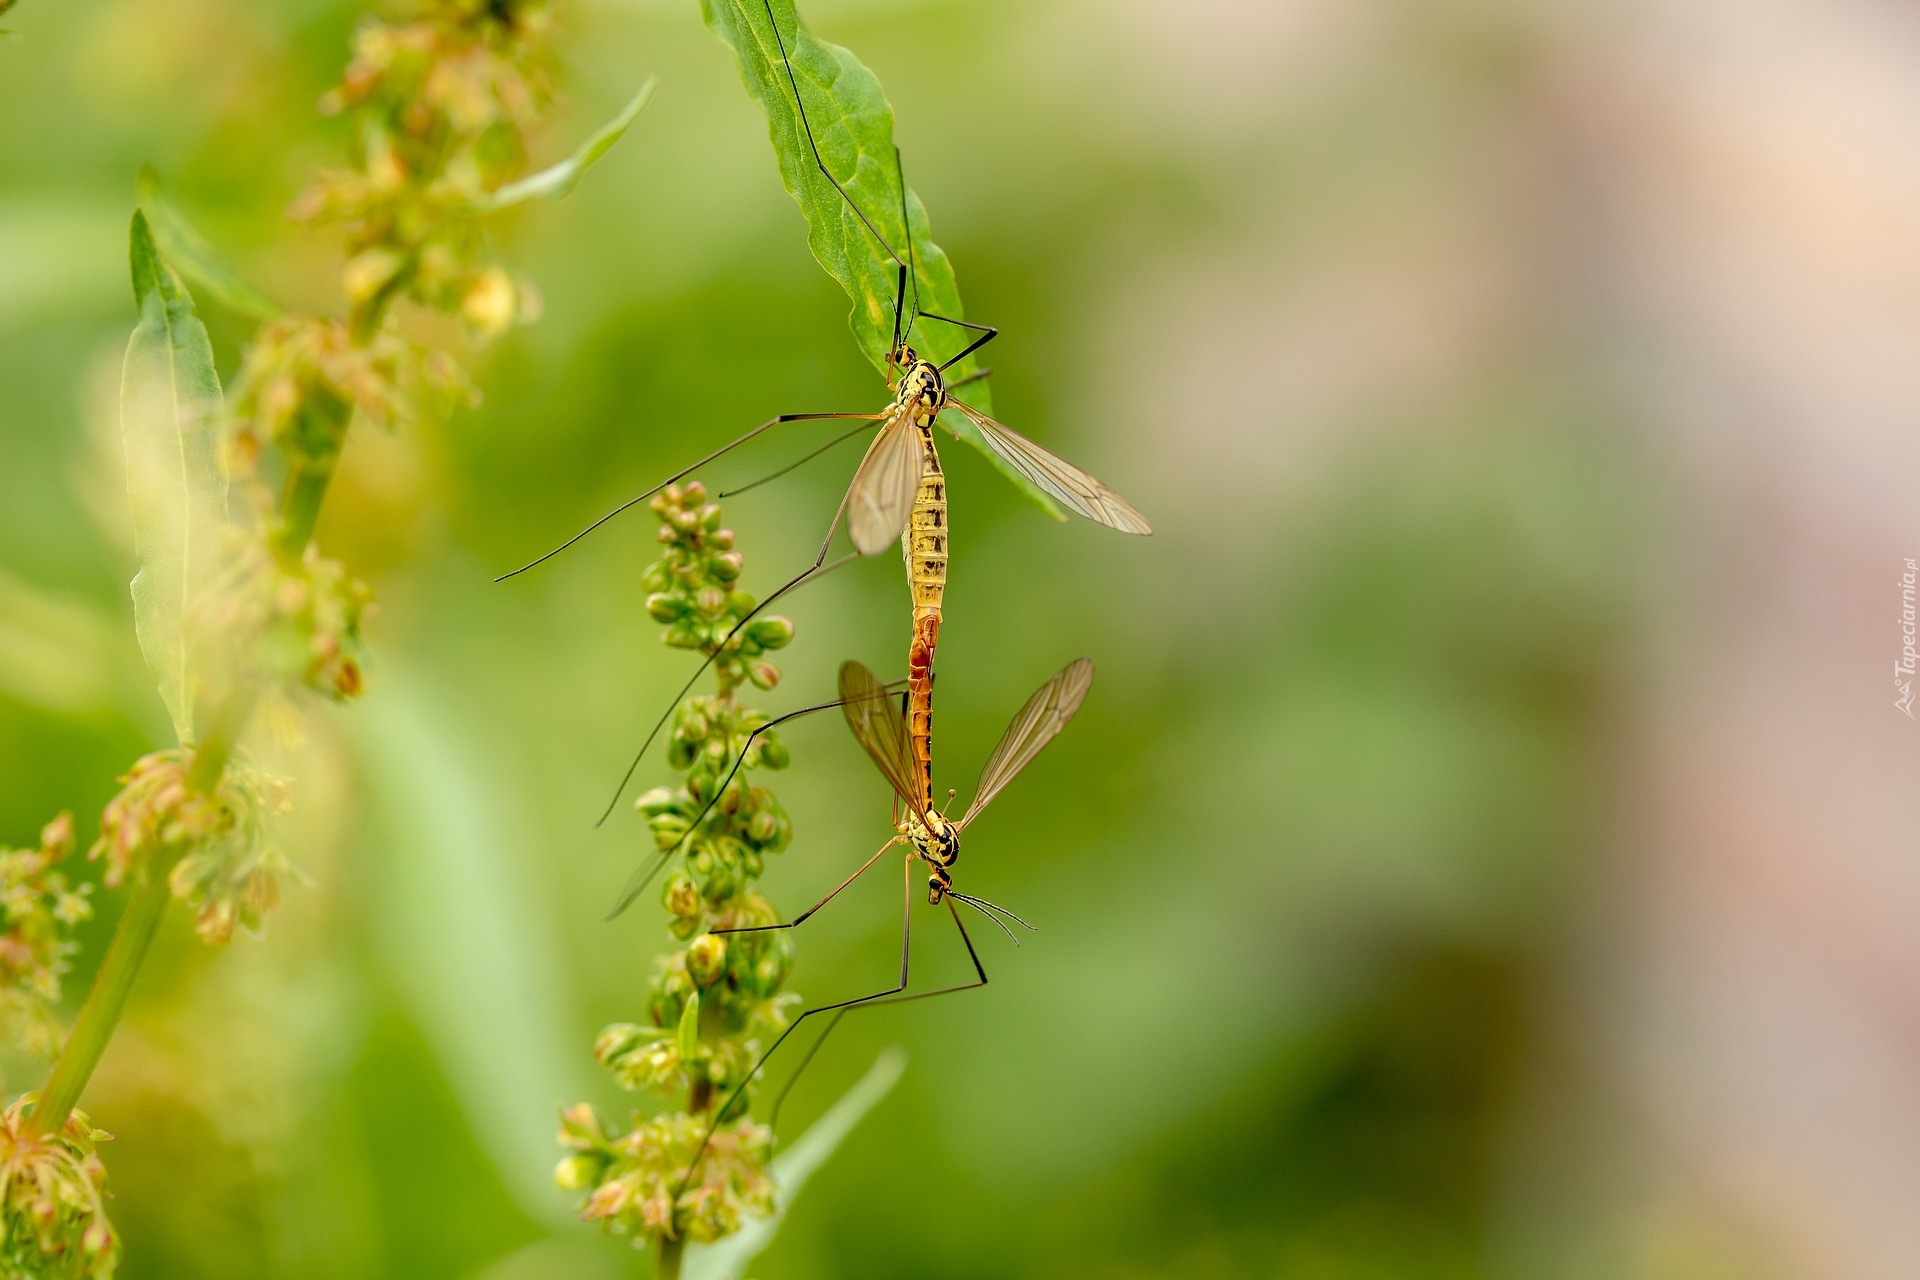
[975, 376]
[906, 957]
[811, 571]
[900, 289]
[643, 875]
[986, 331]
[801, 919]
[834, 443]
[773, 1118]
[681, 474]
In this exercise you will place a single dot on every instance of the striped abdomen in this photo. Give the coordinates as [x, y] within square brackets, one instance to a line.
[925, 547]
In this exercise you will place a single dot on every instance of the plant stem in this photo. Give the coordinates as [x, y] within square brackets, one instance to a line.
[132, 936]
[667, 1265]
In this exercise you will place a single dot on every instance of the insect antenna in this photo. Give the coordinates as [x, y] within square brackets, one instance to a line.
[991, 908]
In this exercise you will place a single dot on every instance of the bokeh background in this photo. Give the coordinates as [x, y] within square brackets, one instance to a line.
[1488, 849]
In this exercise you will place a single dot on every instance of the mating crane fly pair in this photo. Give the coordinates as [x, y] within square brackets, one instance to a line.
[898, 492]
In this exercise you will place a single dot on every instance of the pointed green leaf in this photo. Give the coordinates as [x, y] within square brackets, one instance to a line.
[852, 123]
[727, 1259]
[688, 1039]
[555, 182]
[193, 255]
[168, 392]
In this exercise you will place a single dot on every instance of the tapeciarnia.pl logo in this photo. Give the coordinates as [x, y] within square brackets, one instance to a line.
[1903, 666]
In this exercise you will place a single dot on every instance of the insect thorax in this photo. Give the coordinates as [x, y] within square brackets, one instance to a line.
[936, 840]
[921, 386]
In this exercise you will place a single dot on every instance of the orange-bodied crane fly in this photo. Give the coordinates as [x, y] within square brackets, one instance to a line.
[898, 488]
[929, 835]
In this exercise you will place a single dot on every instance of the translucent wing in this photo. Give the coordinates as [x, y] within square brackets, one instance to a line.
[876, 722]
[1074, 488]
[884, 487]
[1033, 727]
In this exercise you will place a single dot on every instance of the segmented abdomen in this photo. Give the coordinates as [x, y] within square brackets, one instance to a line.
[925, 547]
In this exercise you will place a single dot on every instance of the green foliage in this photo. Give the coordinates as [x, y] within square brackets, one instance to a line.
[168, 392]
[193, 255]
[556, 181]
[852, 123]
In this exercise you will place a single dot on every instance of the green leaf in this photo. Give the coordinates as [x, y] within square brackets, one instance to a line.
[557, 181]
[727, 1259]
[193, 255]
[852, 123]
[168, 394]
[687, 1041]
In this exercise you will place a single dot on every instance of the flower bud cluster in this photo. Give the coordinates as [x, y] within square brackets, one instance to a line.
[692, 592]
[226, 871]
[306, 379]
[443, 103]
[631, 1177]
[289, 622]
[40, 909]
[715, 1002]
[52, 1200]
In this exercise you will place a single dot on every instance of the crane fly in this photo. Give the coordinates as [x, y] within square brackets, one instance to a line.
[928, 834]
[899, 479]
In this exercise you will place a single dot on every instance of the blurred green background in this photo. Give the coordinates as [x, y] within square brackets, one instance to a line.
[1307, 867]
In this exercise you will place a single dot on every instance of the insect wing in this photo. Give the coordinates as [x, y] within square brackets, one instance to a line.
[637, 882]
[877, 724]
[884, 487]
[1074, 488]
[1033, 727]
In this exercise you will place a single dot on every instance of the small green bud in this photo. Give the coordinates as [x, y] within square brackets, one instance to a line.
[721, 540]
[763, 674]
[686, 634]
[667, 829]
[666, 533]
[657, 801]
[664, 608]
[771, 633]
[679, 895]
[772, 752]
[762, 826]
[727, 566]
[692, 495]
[740, 603]
[707, 958]
[711, 600]
[620, 1039]
[655, 578]
[577, 1173]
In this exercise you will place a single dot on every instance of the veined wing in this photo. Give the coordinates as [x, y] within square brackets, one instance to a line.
[884, 486]
[1074, 488]
[1033, 727]
[876, 722]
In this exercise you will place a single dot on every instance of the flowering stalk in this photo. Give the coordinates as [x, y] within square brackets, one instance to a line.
[714, 1000]
[443, 103]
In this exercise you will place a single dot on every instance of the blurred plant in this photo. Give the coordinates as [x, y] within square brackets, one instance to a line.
[41, 910]
[713, 1000]
[51, 1200]
[230, 612]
